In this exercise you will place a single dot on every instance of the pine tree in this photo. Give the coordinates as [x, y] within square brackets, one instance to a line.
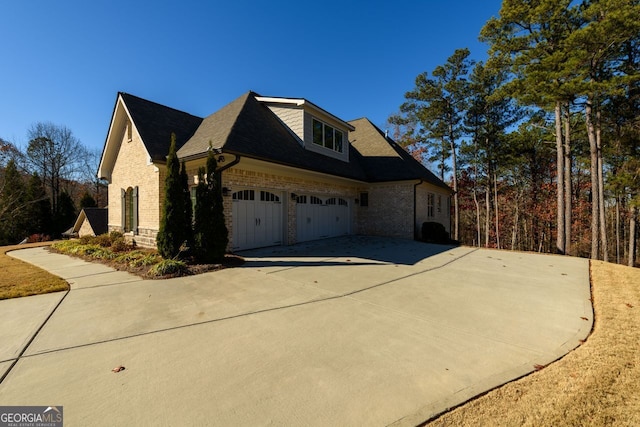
[65, 215]
[38, 209]
[174, 224]
[12, 202]
[87, 201]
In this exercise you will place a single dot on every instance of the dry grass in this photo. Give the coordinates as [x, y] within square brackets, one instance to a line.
[19, 279]
[597, 384]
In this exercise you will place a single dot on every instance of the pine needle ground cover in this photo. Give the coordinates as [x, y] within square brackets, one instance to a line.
[20, 279]
[597, 384]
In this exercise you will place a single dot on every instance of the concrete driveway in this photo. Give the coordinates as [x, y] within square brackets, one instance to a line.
[348, 331]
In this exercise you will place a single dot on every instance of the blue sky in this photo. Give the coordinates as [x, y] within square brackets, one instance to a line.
[65, 61]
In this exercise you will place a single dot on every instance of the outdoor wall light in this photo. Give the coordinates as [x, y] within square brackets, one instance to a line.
[294, 196]
[226, 191]
[221, 159]
[357, 202]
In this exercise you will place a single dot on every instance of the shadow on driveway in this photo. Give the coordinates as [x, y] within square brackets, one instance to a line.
[343, 251]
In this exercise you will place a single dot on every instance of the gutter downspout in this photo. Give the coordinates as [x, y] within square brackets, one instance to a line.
[229, 165]
[415, 209]
[225, 167]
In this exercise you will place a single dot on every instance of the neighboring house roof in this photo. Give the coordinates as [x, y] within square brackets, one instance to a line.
[98, 218]
[156, 123]
[383, 159]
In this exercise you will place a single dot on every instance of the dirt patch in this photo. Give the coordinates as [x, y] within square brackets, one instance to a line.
[596, 384]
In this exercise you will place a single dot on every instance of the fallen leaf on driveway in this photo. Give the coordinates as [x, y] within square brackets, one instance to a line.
[538, 367]
[118, 369]
[584, 318]
[629, 305]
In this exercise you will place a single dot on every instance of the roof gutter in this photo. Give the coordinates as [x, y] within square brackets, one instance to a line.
[415, 208]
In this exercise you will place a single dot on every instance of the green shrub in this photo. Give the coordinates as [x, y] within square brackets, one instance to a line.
[119, 244]
[86, 240]
[115, 235]
[127, 257]
[103, 240]
[166, 267]
[149, 259]
[434, 232]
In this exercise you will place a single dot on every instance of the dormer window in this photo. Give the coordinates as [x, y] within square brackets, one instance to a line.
[327, 136]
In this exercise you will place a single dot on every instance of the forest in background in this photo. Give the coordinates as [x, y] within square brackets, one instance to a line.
[44, 186]
[540, 142]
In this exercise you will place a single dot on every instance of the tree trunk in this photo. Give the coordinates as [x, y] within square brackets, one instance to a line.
[475, 201]
[456, 206]
[595, 200]
[514, 231]
[496, 209]
[487, 220]
[632, 236]
[560, 218]
[567, 180]
[601, 207]
[617, 229]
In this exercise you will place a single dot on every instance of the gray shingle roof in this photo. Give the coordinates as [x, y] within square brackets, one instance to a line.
[248, 128]
[156, 122]
[383, 159]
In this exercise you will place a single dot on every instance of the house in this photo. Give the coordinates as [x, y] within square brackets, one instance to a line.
[90, 222]
[290, 171]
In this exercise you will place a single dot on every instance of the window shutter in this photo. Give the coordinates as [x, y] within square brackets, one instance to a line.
[123, 206]
[134, 219]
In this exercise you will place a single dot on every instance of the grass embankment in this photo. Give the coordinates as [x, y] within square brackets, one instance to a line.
[20, 279]
[597, 384]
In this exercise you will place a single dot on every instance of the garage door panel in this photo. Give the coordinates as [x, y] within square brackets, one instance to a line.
[257, 219]
[318, 218]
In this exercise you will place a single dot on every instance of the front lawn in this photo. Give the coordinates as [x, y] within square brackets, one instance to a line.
[20, 279]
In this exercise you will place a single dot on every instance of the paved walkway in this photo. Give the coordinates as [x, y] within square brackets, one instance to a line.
[349, 331]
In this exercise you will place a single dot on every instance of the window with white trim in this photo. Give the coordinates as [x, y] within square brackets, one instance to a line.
[327, 136]
[430, 203]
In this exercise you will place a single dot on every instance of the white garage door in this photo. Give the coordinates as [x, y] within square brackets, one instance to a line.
[257, 219]
[319, 218]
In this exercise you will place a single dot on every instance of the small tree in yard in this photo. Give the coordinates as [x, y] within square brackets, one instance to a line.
[209, 228]
[175, 227]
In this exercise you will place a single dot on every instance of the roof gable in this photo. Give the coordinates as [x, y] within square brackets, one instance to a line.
[383, 159]
[247, 127]
[98, 218]
[153, 122]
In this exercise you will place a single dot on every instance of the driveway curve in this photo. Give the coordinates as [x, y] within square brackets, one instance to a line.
[348, 331]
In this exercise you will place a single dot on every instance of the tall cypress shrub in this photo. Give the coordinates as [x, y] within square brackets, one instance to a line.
[174, 224]
[209, 227]
[188, 209]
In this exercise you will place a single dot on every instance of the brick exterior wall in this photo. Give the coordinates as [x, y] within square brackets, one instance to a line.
[390, 211]
[131, 169]
[282, 184]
